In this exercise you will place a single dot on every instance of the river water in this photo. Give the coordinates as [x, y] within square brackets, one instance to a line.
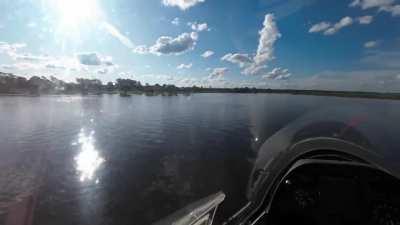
[134, 160]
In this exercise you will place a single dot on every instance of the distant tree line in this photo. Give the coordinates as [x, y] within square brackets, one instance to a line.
[12, 84]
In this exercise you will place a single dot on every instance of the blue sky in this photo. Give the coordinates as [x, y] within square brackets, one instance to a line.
[347, 44]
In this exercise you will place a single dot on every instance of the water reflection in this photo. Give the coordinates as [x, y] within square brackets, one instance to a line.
[88, 160]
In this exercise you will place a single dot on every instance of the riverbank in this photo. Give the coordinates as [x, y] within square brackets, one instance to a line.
[186, 91]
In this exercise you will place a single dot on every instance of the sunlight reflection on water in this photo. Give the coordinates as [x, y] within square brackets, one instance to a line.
[88, 160]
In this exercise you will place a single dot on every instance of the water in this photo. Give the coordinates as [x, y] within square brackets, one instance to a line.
[134, 160]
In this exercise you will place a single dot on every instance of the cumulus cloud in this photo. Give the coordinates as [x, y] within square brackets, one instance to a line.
[322, 26]
[207, 54]
[178, 45]
[329, 29]
[94, 59]
[198, 26]
[382, 5]
[141, 49]
[344, 22]
[365, 19]
[254, 69]
[366, 4]
[278, 74]
[370, 44]
[166, 45]
[237, 58]
[218, 73]
[25, 60]
[118, 35]
[184, 66]
[393, 9]
[269, 34]
[182, 4]
[47, 63]
[176, 21]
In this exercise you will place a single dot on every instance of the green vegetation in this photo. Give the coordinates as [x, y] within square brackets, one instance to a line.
[15, 85]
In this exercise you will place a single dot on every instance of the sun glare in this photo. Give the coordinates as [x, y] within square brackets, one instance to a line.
[88, 160]
[73, 13]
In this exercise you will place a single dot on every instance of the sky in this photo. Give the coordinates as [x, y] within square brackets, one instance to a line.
[308, 44]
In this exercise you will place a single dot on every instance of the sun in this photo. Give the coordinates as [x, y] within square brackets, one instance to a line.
[73, 13]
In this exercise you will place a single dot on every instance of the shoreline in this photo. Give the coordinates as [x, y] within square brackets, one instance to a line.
[345, 94]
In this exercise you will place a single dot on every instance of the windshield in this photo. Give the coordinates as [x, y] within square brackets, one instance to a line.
[124, 111]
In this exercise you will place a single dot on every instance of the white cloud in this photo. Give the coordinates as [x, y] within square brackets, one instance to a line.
[166, 45]
[382, 5]
[102, 71]
[141, 49]
[322, 26]
[254, 69]
[198, 26]
[218, 73]
[182, 4]
[184, 66]
[365, 19]
[47, 64]
[187, 82]
[366, 4]
[329, 29]
[176, 21]
[10, 48]
[29, 57]
[344, 22]
[23, 66]
[117, 34]
[8, 67]
[278, 74]
[370, 44]
[207, 54]
[94, 59]
[359, 80]
[55, 66]
[381, 60]
[269, 34]
[178, 45]
[237, 58]
[393, 9]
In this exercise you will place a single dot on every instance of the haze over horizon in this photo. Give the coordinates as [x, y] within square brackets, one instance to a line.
[340, 45]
